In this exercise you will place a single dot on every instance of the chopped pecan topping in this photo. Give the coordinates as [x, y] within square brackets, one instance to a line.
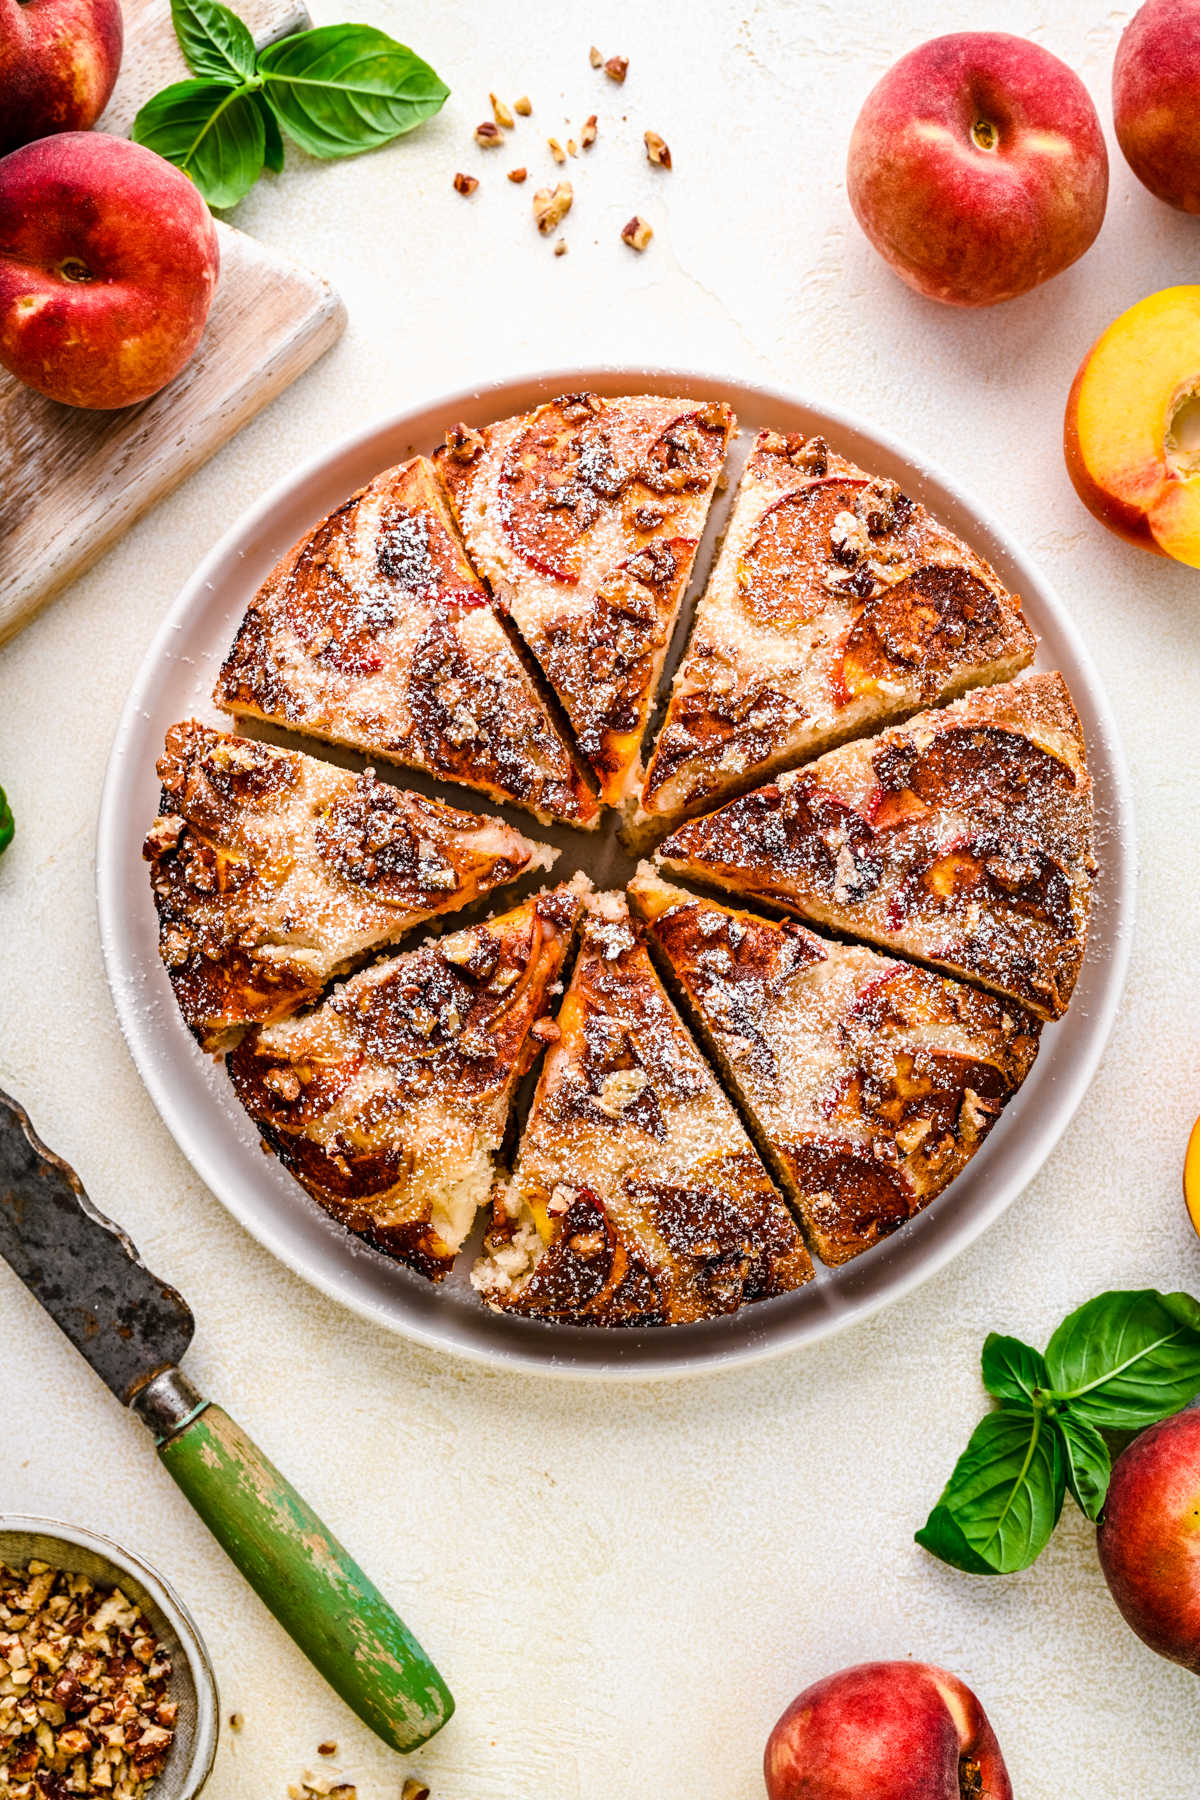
[616, 68]
[523, 106]
[489, 135]
[463, 443]
[587, 132]
[596, 57]
[551, 206]
[657, 150]
[518, 174]
[465, 184]
[636, 233]
[501, 113]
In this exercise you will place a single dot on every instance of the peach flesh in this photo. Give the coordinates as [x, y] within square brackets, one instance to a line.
[1131, 435]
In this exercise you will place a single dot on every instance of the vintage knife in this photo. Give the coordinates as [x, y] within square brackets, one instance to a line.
[134, 1329]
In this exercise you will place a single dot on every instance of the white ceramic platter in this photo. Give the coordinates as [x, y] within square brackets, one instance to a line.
[194, 1097]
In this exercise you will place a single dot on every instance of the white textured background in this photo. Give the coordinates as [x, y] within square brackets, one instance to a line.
[624, 1587]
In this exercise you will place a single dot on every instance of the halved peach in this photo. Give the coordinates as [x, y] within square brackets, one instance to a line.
[1132, 430]
[1191, 1177]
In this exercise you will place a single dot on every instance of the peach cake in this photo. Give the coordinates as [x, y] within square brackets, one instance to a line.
[849, 741]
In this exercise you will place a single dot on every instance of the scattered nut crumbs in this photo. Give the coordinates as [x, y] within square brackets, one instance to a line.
[328, 1748]
[465, 184]
[489, 135]
[550, 208]
[587, 132]
[560, 249]
[596, 57]
[518, 174]
[501, 113]
[84, 1705]
[556, 150]
[414, 1790]
[236, 1721]
[616, 68]
[572, 147]
[656, 150]
[524, 106]
[312, 1786]
[637, 233]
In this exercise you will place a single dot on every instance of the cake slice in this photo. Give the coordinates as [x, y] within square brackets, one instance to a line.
[837, 605]
[273, 872]
[375, 632]
[637, 1198]
[584, 516]
[870, 1083]
[963, 838]
[390, 1101]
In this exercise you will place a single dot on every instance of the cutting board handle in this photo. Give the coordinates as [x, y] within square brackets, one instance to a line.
[313, 1586]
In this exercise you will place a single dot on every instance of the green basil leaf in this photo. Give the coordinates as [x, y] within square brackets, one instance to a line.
[7, 825]
[1125, 1360]
[1087, 1462]
[212, 132]
[345, 88]
[1003, 1500]
[216, 44]
[273, 152]
[1011, 1369]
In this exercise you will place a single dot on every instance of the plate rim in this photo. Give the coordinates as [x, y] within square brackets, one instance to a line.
[1074, 1078]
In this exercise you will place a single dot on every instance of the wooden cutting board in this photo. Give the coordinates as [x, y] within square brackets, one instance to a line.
[70, 481]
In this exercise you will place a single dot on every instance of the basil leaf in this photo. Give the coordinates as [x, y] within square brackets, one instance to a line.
[345, 88]
[212, 132]
[1087, 1462]
[1002, 1502]
[1125, 1360]
[1011, 1369]
[273, 151]
[7, 825]
[215, 43]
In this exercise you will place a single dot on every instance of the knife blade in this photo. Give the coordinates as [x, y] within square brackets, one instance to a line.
[85, 1271]
[133, 1328]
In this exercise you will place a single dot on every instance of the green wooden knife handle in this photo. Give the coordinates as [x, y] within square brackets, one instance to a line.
[316, 1590]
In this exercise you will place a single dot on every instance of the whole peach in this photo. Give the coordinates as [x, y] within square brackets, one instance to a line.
[1149, 1537]
[977, 167]
[1156, 99]
[885, 1731]
[108, 264]
[58, 63]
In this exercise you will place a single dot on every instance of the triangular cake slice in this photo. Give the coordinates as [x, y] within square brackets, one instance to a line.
[837, 605]
[637, 1198]
[963, 838]
[374, 631]
[870, 1083]
[273, 872]
[390, 1101]
[585, 516]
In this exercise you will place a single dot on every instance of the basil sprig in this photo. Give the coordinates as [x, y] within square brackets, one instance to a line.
[1119, 1363]
[335, 91]
[6, 822]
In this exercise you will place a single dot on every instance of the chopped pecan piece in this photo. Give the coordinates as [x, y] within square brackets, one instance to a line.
[657, 150]
[637, 233]
[465, 184]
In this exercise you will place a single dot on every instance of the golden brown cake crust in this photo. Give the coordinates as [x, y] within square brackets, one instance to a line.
[637, 1198]
[390, 1101]
[837, 605]
[272, 872]
[963, 838]
[584, 516]
[375, 632]
[871, 1083]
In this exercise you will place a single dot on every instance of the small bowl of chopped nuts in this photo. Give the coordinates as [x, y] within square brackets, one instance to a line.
[105, 1684]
